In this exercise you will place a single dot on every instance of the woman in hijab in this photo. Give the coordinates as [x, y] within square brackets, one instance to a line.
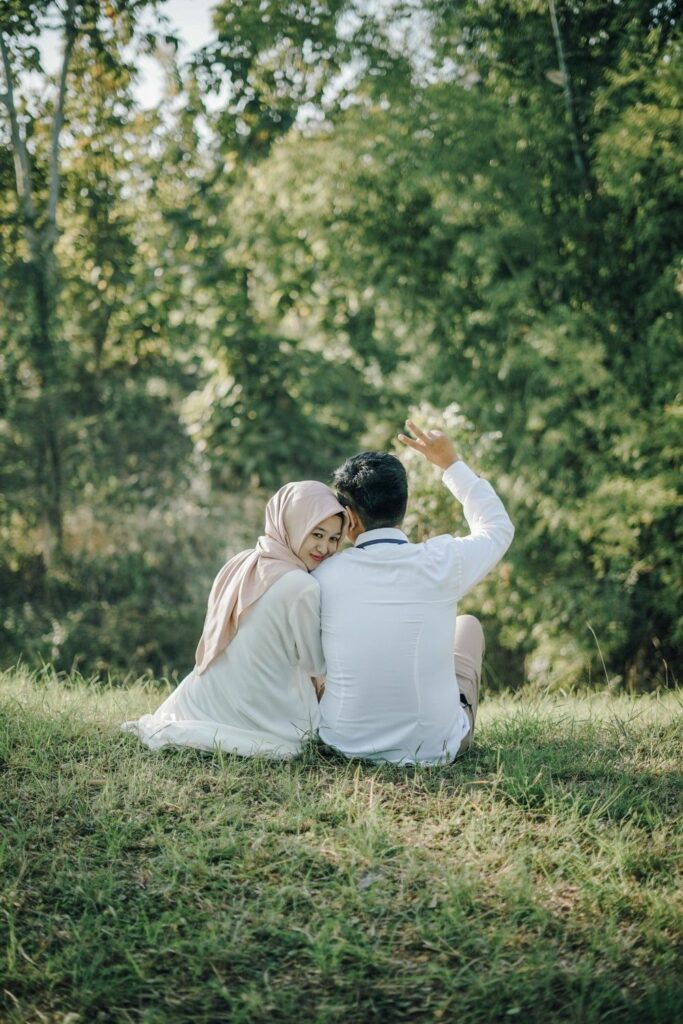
[251, 690]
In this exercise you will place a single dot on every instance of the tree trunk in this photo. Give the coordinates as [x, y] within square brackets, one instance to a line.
[48, 425]
[43, 282]
[568, 99]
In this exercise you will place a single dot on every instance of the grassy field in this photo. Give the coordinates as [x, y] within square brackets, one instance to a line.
[536, 880]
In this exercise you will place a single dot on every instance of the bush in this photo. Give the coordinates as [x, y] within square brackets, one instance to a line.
[130, 595]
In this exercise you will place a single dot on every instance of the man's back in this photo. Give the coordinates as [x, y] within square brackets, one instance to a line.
[388, 612]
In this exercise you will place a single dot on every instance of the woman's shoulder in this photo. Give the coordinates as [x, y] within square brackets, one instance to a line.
[294, 595]
[294, 584]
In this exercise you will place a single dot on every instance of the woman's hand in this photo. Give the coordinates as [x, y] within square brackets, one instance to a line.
[436, 446]
[318, 686]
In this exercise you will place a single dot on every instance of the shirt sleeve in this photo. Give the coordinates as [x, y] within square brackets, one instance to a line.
[304, 624]
[491, 530]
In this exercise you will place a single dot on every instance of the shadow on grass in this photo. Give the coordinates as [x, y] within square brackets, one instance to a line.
[613, 770]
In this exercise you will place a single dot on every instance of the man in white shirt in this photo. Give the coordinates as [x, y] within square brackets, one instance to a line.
[403, 673]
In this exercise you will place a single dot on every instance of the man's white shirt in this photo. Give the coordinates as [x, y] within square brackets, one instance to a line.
[388, 623]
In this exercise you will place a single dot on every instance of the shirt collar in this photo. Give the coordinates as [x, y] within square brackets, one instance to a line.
[385, 533]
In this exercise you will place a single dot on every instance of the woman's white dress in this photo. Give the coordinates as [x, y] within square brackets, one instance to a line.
[257, 696]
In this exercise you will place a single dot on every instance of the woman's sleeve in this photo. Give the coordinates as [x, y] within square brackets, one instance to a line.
[304, 622]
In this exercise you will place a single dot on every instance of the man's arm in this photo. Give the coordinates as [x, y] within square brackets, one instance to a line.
[491, 530]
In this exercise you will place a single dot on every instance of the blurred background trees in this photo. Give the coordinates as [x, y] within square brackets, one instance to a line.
[338, 212]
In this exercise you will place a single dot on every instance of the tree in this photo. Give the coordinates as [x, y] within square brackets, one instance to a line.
[274, 404]
[539, 291]
[40, 234]
[35, 129]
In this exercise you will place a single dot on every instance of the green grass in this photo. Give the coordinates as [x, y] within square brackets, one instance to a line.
[537, 879]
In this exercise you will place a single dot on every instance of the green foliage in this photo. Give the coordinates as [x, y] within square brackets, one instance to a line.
[525, 293]
[129, 595]
[339, 212]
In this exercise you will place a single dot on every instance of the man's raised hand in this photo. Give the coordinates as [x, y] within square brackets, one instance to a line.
[436, 446]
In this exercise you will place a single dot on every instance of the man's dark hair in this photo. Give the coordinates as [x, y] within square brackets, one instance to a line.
[375, 486]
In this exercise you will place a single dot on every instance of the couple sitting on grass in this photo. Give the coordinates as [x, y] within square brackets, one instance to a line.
[377, 620]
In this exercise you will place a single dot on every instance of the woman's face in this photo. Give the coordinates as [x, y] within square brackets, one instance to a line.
[321, 542]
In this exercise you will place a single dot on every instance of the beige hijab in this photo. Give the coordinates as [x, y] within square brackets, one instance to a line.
[291, 515]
